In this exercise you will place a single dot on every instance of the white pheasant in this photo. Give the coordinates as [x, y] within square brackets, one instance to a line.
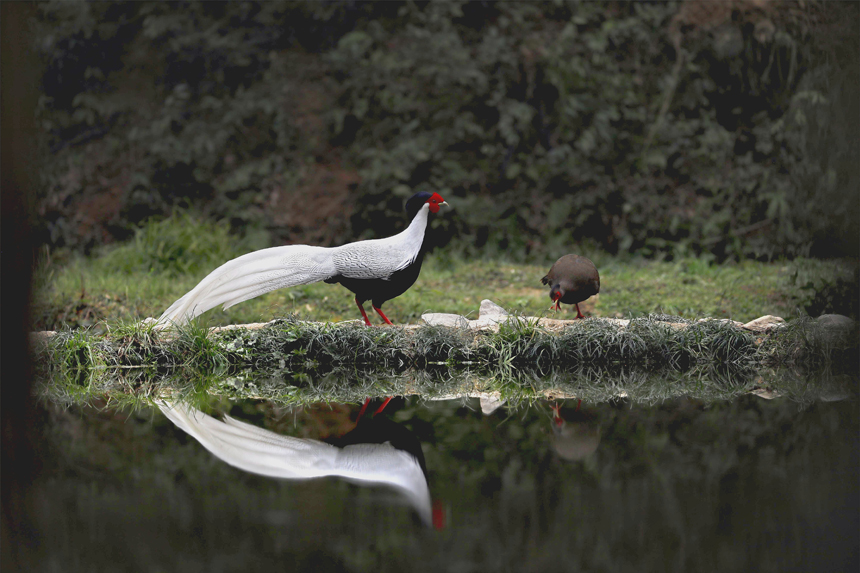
[376, 269]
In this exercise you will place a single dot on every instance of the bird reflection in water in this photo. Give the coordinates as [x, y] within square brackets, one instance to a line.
[378, 451]
[576, 436]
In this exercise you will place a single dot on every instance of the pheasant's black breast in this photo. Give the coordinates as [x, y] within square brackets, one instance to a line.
[378, 291]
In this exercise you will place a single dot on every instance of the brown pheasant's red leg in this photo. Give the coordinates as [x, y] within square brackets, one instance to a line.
[556, 415]
[385, 318]
[578, 312]
[364, 314]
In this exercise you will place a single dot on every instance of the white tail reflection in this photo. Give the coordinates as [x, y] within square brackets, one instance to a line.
[260, 451]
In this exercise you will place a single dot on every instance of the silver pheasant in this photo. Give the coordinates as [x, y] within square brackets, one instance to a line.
[375, 269]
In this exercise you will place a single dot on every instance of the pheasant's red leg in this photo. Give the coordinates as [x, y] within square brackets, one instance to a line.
[378, 410]
[384, 404]
[578, 312]
[364, 314]
[363, 408]
[385, 318]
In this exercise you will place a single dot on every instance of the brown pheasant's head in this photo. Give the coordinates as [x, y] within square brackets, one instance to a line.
[555, 294]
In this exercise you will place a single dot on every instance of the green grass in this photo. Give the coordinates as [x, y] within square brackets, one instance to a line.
[141, 278]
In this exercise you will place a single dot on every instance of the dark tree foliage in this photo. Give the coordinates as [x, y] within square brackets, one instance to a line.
[719, 129]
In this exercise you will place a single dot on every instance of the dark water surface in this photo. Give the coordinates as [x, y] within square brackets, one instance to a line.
[747, 485]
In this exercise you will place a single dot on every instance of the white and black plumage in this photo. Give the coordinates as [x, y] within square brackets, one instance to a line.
[372, 454]
[376, 269]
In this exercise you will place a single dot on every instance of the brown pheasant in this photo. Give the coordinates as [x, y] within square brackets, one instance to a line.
[572, 279]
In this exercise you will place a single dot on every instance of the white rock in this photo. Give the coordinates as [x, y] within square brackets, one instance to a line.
[765, 393]
[249, 326]
[490, 402]
[764, 323]
[726, 321]
[489, 308]
[444, 319]
[619, 322]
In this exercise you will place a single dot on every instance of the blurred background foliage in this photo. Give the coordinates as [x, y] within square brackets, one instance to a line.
[723, 129]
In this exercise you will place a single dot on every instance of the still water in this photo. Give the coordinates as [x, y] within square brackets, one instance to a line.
[751, 484]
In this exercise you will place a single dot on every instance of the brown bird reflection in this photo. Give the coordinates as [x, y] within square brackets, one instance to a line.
[576, 436]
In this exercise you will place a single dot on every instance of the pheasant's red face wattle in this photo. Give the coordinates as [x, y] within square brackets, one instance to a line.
[435, 201]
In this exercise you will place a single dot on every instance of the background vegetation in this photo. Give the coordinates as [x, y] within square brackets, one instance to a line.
[726, 130]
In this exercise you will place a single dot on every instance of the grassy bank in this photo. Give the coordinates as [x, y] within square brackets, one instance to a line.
[129, 282]
[296, 362]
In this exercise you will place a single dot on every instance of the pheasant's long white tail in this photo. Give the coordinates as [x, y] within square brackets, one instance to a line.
[249, 276]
